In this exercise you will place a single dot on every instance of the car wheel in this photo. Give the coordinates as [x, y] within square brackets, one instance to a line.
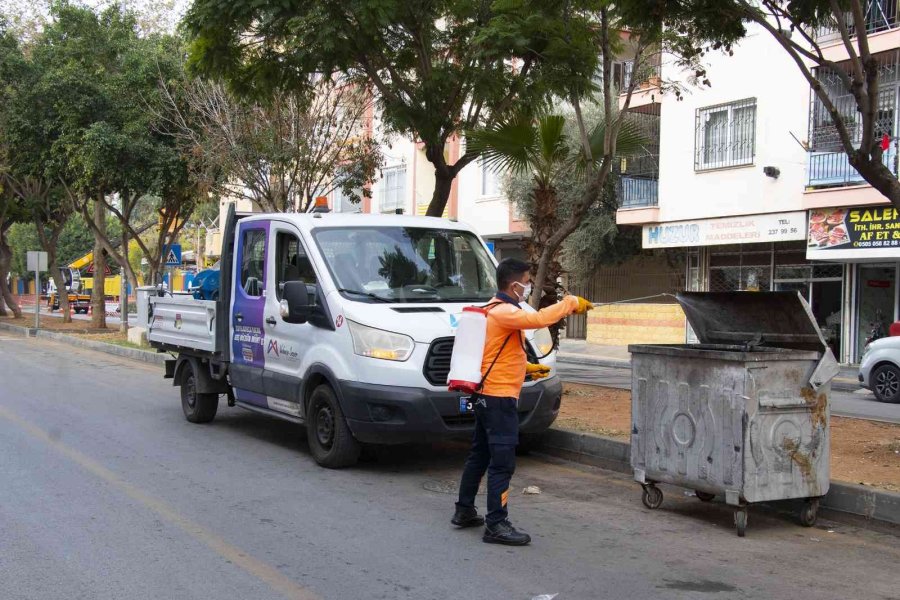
[197, 407]
[886, 384]
[330, 441]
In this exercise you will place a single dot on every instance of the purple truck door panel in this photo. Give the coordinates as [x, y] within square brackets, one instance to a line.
[248, 333]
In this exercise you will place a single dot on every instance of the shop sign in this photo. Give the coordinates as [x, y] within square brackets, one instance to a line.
[751, 229]
[869, 232]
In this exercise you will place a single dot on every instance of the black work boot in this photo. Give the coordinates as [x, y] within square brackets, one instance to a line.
[504, 533]
[467, 516]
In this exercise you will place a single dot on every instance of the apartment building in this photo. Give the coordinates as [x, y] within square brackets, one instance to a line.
[757, 192]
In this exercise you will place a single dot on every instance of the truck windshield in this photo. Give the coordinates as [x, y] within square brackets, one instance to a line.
[408, 264]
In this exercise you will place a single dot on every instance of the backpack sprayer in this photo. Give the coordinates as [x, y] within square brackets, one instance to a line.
[468, 348]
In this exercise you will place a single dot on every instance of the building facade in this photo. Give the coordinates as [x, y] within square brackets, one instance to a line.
[757, 192]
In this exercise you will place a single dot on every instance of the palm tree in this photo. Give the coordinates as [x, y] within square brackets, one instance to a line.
[541, 148]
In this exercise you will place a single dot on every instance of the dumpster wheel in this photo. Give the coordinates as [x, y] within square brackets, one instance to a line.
[809, 512]
[740, 520]
[704, 496]
[652, 497]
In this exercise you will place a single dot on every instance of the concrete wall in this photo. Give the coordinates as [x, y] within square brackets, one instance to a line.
[759, 69]
[623, 324]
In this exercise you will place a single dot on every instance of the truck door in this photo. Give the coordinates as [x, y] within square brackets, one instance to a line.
[247, 307]
[286, 343]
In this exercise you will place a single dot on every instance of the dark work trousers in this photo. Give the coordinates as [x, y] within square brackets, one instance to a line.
[493, 450]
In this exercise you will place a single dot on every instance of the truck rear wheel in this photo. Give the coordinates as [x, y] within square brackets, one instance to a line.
[330, 441]
[197, 407]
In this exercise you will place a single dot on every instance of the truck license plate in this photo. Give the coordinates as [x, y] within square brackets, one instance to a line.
[466, 405]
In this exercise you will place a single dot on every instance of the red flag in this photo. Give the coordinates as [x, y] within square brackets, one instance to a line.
[885, 142]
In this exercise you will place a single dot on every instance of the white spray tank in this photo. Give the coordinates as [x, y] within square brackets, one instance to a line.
[468, 351]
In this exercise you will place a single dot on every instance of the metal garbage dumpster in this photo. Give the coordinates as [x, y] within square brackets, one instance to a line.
[743, 414]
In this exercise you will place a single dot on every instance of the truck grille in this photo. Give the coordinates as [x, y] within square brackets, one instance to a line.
[437, 362]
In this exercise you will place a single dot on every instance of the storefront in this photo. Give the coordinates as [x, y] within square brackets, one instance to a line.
[866, 242]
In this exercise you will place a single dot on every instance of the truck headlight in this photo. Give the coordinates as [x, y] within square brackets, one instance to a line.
[543, 341]
[377, 343]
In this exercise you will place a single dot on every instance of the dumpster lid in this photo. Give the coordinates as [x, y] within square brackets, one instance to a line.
[774, 319]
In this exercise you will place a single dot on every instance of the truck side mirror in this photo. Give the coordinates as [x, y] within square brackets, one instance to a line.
[298, 301]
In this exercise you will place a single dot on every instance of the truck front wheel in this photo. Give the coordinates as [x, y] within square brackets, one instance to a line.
[330, 441]
[197, 407]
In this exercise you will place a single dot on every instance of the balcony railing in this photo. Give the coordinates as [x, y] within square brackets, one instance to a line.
[831, 169]
[881, 15]
[638, 192]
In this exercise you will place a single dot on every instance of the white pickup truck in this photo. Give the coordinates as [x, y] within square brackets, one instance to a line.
[344, 323]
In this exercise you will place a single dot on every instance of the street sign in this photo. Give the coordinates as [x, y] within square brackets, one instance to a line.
[490, 246]
[173, 258]
[106, 270]
[37, 261]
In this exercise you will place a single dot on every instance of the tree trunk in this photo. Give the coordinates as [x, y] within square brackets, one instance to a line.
[873, 170]
[443, 183]
[6, 296]
[98, 297]
[60, 281]
[544, 222]
[124, 278]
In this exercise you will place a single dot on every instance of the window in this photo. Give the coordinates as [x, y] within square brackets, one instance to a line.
[725, 135]
[393, 192]
[490, 181]
[253, 262]
[291, 262]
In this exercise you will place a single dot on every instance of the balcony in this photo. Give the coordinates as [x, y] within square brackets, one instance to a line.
[832, 169]
[637, 192]
[637, 174]
[881, 15]
[827, 163]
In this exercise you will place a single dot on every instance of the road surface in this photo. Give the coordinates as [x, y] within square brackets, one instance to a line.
[108, 493]
[860, 404]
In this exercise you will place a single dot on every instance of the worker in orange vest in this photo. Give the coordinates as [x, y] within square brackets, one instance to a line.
[504, 368]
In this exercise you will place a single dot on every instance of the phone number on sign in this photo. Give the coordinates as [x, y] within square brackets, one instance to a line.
[878, 244]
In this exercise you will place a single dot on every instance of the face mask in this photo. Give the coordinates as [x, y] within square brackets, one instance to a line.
[526, 291]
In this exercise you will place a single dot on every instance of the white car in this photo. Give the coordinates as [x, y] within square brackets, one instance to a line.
[879, 370]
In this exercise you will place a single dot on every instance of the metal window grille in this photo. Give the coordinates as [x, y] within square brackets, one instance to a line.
[725, 135]
[393, 193]
[638, 181]
[828, 162]
[881, 15]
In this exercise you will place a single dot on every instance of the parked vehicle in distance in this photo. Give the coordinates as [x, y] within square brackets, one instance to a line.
[879, 370]
[206, 283]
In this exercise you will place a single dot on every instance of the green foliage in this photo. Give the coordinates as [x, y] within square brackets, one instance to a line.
[75, 241]
[546, 146]
[439, 67]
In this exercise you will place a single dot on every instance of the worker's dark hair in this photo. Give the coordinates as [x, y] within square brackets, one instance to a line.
[509, 270]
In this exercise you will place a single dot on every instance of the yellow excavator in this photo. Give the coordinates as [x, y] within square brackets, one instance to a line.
[80, 289]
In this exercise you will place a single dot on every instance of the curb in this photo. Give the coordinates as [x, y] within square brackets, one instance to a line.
[581, 359]
[132, 353]
[614, 455]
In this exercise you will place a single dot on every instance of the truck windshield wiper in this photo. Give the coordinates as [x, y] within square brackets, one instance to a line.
[366, 294]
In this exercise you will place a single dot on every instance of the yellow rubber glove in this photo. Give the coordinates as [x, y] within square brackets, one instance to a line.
[537, 371]
[583, 306]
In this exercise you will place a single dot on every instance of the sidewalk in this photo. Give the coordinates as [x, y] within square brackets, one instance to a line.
[581, 352]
